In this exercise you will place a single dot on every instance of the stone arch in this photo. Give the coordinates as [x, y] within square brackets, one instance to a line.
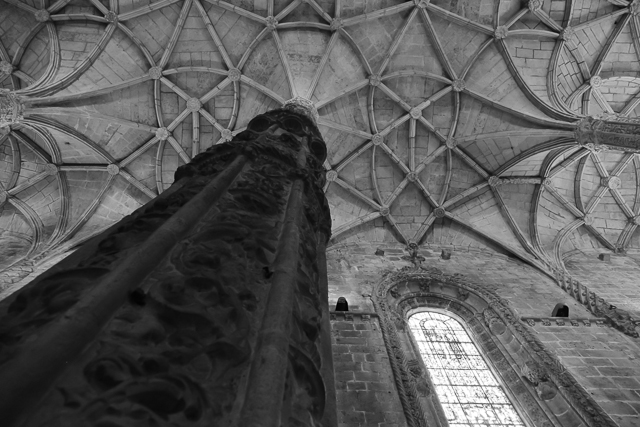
[543, 391]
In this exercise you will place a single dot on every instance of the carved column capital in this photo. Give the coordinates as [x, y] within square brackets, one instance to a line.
[302, 106]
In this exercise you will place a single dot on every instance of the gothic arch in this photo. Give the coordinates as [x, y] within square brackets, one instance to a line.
[545, 393]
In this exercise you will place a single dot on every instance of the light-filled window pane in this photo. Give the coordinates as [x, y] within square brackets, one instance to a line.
[468, 391]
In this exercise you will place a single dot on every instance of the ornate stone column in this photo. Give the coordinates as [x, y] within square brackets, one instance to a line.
[205, 307]
[609, 132]
[11, 108]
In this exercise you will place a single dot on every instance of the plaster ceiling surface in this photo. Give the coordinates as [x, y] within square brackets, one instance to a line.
[448, 122]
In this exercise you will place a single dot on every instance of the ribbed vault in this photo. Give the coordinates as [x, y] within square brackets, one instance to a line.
[447, 122]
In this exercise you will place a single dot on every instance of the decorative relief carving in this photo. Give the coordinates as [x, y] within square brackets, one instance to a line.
[535, 5]
[271, 22]
[162, 134]
[302, 106]
[6, 68]
[501, 32]
[193, 104]
[42, 15]
[234, 74]
[336, 24]
[155, 73]
[375, 80]
[546, 371]
[459, 85]
[609, 132]
[178, 350]
[616, 317]
[494, 323]
[11, 108]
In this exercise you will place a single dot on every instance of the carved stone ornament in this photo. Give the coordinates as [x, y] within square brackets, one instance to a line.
[42, 15]
[4, 131]
[420, 382]
[336, 24]
[611, 182]
[193, 104]
[375, 80]
[634, 8]
[162, 134]
[439, 212]
[463, 294]
[170, 318]
[458, 85]
[412, 176]
[421, 3]
[533, 372]
[501, 32]
[271, 22]
[588, 219]
[113, 169]
[384, 210]
[11, 108]
[332, 175]
[451, 143]
[415, 113]
[377, 139]
[609, 132]
[519, 181]
[495, 324]
[226, 135]
[155, 73]
[302, 106]
[493, 181]
[234, 74]
[394, 292]
[6, 68]
[111, 16]
[535, 5]
[542, 370]
[595, 81]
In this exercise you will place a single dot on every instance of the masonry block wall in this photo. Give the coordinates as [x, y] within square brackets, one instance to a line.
[603, 360]
[365, 388]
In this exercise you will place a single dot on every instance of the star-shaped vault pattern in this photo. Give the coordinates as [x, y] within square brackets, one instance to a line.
[447, 123]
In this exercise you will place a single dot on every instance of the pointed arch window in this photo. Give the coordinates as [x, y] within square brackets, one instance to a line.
[468, 390]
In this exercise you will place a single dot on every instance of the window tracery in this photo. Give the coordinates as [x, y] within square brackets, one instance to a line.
[467, 389]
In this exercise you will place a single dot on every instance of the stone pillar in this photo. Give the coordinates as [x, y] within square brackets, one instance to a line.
[205, 307]
[609, 132]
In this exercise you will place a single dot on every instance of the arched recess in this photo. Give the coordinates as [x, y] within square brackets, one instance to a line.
[543, 391]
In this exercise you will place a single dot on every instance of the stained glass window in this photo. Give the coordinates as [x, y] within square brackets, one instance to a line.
[467, 389]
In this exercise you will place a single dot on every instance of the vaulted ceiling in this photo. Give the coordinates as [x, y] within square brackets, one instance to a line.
[448, 122]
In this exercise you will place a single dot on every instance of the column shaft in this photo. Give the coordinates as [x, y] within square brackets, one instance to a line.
[202, 308]
[609, 133]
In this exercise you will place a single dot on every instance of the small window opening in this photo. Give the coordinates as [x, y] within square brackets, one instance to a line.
[560, 310]
[342, 304]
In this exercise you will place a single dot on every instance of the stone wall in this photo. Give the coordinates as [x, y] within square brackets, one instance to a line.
[615, 279]
[364, 382]
[603, 360]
